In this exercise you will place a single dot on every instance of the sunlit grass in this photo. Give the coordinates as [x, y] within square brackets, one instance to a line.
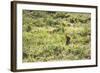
[44, 37]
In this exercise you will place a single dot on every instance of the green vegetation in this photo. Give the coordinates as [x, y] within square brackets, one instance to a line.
[53, 35]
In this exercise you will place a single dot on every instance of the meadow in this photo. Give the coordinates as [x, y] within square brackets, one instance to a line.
[55, 36]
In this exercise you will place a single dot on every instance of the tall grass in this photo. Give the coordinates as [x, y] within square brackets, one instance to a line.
[44, 36]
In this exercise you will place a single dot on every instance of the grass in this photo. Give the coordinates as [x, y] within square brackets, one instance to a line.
[44, 36]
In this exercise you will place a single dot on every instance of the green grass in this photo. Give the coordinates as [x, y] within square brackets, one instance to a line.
[44, 36]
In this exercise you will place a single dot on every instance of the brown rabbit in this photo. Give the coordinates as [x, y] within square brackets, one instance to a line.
[67, 39]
